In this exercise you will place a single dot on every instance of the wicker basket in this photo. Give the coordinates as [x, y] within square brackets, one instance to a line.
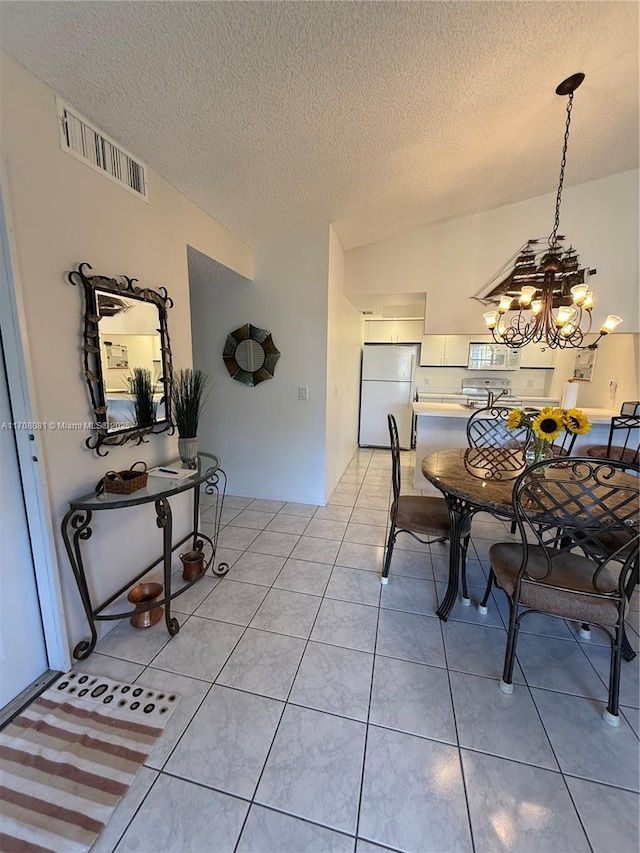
[124, 482]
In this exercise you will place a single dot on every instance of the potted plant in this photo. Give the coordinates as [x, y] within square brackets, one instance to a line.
[188, 396]
[142, 405]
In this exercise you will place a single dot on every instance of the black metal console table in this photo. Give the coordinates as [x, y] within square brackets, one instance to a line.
[76, 528]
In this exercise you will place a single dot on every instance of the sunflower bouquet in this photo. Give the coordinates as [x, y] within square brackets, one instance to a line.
[546, 425]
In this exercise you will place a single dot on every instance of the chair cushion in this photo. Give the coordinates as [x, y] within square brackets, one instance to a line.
[426, 515]
[621, 454]
[559, 593]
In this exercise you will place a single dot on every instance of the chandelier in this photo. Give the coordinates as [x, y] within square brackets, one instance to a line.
[545, 288]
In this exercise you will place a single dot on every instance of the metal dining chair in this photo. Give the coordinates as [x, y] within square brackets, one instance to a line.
[573, 509]
[623, 444]
[563, 445]
[419, 516]
[488, 428]
[629, 409]
[561, 448]
[621, 546]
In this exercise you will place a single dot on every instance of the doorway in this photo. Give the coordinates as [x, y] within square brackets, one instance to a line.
[33, 642]
[23, 654]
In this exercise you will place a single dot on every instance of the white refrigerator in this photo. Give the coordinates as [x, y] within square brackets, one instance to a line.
[386, 388]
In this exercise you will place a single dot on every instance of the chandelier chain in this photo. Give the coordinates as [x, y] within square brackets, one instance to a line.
[563, 163]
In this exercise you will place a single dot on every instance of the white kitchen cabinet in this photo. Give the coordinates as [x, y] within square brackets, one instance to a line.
[444, 351]
[456, 351]
[379, 331]
[409, 331]
[393, 331]
[432, 350]
[537, 355]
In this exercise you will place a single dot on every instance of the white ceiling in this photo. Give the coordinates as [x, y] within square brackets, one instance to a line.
[379, 117]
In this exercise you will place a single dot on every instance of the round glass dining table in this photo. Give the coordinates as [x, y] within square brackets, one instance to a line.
[472, 480]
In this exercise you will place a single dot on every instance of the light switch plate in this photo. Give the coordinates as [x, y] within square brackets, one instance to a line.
[303, 392]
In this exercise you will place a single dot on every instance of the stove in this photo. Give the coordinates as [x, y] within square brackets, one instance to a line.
[477, 391]
[473, 394]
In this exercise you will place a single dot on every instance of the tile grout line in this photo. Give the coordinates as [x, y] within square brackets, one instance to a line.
[566, 784]
[135, 813]
[284, 705]
[207, 693]
[367, 723]
[161, 771]
[459, 750]
[284, 708]
[323, 596]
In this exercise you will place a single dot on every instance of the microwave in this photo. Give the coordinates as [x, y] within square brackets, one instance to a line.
[493, 357]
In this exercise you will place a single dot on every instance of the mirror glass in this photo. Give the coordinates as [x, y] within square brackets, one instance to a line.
[126, 355]
[129, 339]
[250, 355]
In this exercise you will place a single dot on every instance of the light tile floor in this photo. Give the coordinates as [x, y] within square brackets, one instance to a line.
[323, 712]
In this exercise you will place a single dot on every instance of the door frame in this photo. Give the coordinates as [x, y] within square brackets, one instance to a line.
[29, 444]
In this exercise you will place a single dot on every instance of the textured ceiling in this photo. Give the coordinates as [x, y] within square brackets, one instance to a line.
[378, 117]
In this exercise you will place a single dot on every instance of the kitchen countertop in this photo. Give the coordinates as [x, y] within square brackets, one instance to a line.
[456, 410]
[454, 396]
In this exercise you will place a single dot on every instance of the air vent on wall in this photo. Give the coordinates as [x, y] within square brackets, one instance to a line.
[84, 141]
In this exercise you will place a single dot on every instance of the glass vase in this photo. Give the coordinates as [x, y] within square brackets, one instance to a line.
[538, 451]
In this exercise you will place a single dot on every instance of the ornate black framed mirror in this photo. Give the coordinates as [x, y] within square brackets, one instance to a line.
[250, 355]
[126, 358]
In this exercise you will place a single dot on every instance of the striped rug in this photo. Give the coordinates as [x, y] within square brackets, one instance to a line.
[69, 758]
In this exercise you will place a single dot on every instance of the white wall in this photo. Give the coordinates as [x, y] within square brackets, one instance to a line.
[452, 260]
[532, 382]
[617, 361]
[272, 445]
[345, 328]
[64, 213]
